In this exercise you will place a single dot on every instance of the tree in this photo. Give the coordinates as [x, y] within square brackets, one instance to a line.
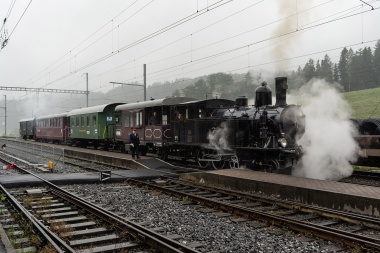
[368, 69]
[309, 70]
[356, 80]
[336, 73]
[221, 84]
[376, 63]
[343, 67]
[318, 70]
[176, 93]
[199, 90]
[326, 69]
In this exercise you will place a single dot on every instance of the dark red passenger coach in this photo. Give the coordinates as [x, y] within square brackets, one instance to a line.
[55, 128]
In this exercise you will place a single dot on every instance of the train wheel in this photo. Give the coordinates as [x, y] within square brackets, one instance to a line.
[143, 150]
[200, 155]
[218, 165]
[234, 162]
[163, 154]
[274, 165]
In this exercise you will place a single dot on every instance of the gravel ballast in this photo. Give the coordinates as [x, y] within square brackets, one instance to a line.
[215, 233]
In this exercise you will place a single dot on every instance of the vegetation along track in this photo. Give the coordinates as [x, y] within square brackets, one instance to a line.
[77, 225]
[357, 231]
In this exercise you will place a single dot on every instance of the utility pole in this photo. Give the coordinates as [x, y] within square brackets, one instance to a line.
[5, 115]
[133, 84]
[144, 82]
[87, 87]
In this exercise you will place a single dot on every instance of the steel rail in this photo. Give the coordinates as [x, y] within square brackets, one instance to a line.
[155, 240]
[301, 226]
[372, 222]
[46, 233]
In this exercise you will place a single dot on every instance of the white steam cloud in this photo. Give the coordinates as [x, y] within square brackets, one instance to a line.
[218, 137]
[328, 142]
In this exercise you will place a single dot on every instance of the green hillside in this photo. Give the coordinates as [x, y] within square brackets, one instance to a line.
[364, 103]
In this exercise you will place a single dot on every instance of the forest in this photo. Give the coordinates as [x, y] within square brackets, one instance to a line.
[356, 70]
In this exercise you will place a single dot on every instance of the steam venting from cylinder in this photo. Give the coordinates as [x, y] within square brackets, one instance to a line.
[281, 87]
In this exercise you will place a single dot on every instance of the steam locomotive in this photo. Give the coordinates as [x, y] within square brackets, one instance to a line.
[211, 132]
[263, 137]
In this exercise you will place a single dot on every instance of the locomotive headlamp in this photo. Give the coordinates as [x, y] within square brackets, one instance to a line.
[282, 142]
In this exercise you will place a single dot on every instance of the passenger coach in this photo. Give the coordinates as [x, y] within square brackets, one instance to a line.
[27, 128]
[54, 128]
[94, 126]
[137, 115]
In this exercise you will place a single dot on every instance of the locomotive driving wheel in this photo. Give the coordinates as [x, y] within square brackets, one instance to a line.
[218, 165]
[200, 155]
[234, 162]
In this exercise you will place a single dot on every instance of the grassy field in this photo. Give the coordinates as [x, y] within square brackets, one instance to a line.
[364, 103]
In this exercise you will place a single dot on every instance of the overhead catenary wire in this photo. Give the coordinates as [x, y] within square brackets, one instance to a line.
[152, 35]
[277, 60]
[181, 65]
[304, 28]
[8, 14]
[17, 23]
[103, 86]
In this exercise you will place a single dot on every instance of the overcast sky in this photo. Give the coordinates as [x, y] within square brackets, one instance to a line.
[55, 42]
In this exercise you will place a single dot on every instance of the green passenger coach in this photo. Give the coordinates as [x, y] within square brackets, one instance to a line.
[94, 126]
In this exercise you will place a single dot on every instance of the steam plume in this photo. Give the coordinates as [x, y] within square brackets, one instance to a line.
[218, 137]
[328, 142]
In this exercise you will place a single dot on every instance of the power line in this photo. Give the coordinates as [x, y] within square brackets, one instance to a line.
[305, 28]
[180, 65]
[8, 14]
[5, 42]
[154, 34]
[244, 46]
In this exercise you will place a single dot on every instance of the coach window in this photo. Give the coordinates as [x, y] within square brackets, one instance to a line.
[94, 121]
[59, 122]
[140, 119]
[77, 121]
[127, 117]
[82, 121]
[88, 120]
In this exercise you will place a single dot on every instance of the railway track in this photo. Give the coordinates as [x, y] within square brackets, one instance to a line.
[370, 178]
[72, 224]
[355, 231]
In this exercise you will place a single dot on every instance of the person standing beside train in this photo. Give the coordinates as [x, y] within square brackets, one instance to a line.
[135, 143]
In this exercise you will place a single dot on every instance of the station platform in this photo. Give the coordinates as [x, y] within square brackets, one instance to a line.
[330, 194]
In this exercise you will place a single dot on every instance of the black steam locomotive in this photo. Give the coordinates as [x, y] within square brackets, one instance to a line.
[261, 137]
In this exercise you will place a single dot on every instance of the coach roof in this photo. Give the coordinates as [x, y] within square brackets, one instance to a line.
[153, 103]
[92, 109]
[52, 116]
[24, 120]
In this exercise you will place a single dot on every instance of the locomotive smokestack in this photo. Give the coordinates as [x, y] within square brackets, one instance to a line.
[281, 87]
